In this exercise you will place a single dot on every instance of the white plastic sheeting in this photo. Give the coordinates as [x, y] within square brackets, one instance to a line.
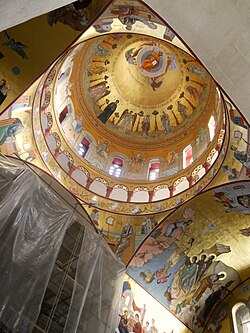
[33, 222]
[97, 290]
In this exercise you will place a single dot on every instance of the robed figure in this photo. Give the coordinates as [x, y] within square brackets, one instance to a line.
[108, 111]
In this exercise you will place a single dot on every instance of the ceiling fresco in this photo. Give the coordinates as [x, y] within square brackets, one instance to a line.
[225, 318]
[103, 117]
[144, 113]
[236, 164]
[131, 123]
[20, 50]
[140, 310]
[195, 251]
[50, 151]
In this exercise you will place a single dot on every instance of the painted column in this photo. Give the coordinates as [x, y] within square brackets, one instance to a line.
[71, 170]
[191, 180]
[151, 195]
[88, 183]
[57, 152]
[171, 190]
[130, 194]
[109, 190]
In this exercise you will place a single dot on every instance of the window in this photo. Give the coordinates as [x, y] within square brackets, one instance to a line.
[211, 127]
[116, 167]
[187, 156]
[154, 168]
[83, 147]
[63, 114]
[241, 318]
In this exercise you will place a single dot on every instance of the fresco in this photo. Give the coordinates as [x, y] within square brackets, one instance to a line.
[71, 108]
[77, 15]
[129, 14]
[49, 151]
[152, 62]
[4, 89]
[236, 164]
[140, 312]
[132, 15]
[234, 197]
[43, 158]
[20, 51]
[59, 96]
[16, 46]
[123, 234]
[17, 138]
[150, 66]
[22, 62]
[184, 261]
[233, 312]
[139, 99]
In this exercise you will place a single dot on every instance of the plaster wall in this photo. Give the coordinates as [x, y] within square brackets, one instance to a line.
[15, 11]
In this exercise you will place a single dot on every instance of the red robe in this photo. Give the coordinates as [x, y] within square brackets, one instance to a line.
[137, 327]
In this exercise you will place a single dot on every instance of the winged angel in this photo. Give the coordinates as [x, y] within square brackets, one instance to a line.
[18, 47]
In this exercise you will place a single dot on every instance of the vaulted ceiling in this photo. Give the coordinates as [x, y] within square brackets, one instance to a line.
[129, 120]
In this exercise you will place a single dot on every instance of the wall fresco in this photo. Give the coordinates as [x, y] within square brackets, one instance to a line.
[123, 234]
[140, 312]
[225, 318]
[189, 256]
[236, 164]
[234, 197]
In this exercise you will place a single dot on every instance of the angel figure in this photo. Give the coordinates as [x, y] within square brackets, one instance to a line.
[128, 120]
[18, 47]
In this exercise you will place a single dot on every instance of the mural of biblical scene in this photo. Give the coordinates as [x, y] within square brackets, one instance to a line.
[133, 15]
[184, 262]
[153, 63]
[16, 130]
[130, 14]
[163, 92]
[233, 314]
[77, 15]
[123, 234]
[237, 161]
[103, 121]
[234, 197]
[20, 53]
[140, 312]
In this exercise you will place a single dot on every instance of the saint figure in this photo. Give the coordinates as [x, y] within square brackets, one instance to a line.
[108, 111]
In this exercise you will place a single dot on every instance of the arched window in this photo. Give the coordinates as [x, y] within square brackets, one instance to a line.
[116, 167]
[241, 318]
[187, 156]
[153, 170]
[211, 127]
[83, 147]
[63, 114]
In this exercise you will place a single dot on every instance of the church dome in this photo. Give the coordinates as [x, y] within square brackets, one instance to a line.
[135, 113]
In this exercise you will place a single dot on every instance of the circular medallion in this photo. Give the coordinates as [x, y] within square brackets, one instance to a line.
[152, 61]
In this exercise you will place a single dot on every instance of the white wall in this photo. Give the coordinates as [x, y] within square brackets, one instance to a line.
[13, 12]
